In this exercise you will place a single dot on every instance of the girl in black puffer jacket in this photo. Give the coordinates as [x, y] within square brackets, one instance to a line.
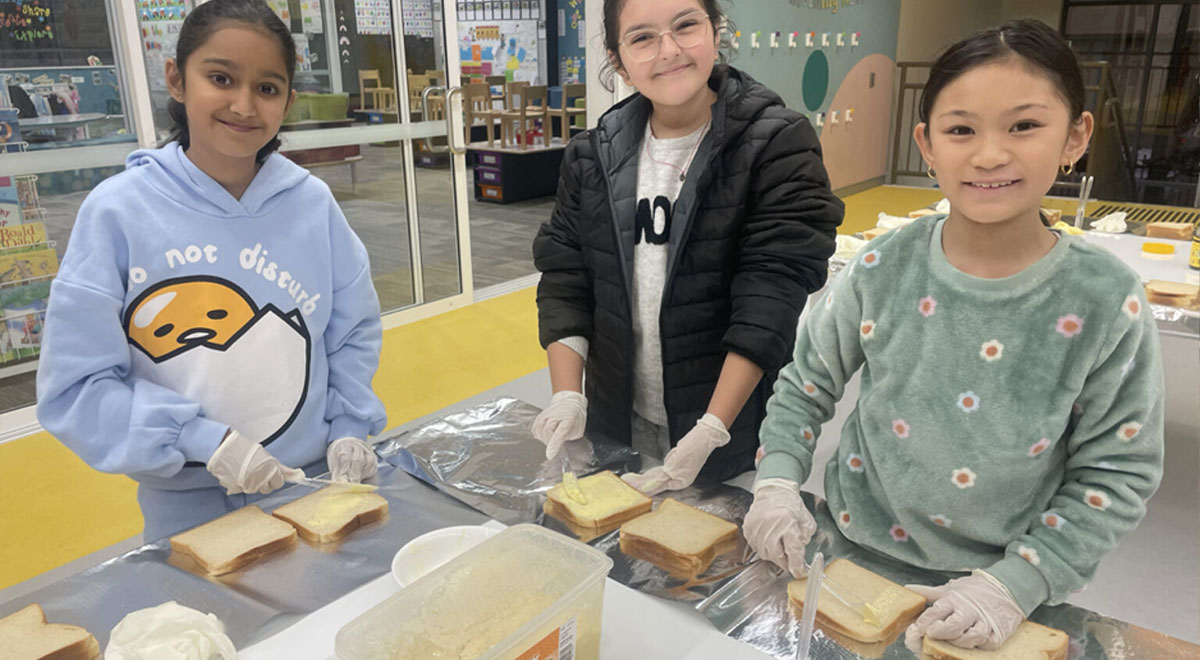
[690, 226]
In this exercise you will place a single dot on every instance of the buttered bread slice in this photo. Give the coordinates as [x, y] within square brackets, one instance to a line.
[330, 514]
[891, 606]
[609, 502]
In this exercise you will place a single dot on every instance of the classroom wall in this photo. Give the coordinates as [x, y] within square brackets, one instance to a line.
[820, 80]
[928, 26]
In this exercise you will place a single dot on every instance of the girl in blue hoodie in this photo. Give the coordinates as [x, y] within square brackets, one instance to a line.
[213, 325]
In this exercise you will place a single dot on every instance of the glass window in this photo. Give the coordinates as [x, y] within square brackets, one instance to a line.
[59, 81]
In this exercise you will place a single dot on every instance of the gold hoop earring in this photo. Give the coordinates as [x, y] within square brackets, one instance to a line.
[930, 173]
[1068, 168]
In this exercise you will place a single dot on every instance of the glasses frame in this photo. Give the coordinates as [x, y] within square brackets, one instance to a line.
[659, 34]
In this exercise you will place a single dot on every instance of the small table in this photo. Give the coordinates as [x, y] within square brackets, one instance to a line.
[57, 122]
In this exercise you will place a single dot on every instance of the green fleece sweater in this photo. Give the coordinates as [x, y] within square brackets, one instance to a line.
[1013, 425]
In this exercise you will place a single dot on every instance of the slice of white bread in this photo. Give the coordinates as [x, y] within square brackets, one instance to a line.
[1178, 230]
[920, 213]
[1173, 294]
[1031, 641]
[330, 514]
[678, 538]
[874, 233]
[25, 635]
[610, 501]
[894, 607]
[234, 540]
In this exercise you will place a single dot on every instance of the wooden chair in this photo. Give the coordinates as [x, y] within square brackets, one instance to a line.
[382, 98]
[514, 95]
[416, 84]
[566, 112]
[477, 104]
[526, 103]
[497, 83]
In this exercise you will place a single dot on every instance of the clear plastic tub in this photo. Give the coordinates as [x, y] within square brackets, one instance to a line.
[525, 593]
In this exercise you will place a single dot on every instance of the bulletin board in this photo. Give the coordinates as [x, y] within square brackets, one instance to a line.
[825, 80]
[160, 22]
[495, 48]
[572, 42]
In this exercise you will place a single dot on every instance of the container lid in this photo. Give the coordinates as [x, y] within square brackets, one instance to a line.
[499, 589]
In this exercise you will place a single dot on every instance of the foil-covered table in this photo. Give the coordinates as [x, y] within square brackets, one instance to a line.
[266, 596]
[487, 457]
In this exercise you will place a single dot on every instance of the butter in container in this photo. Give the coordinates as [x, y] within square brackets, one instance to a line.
[527, 592]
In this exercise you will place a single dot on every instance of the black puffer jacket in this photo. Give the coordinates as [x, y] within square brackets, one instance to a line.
[751, 235]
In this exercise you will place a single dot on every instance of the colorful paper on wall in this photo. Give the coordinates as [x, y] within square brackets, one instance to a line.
[417, 16]
[373, 16]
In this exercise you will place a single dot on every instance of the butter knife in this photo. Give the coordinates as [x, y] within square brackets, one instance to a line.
[314, 482]
[569, 481]
[808, 615]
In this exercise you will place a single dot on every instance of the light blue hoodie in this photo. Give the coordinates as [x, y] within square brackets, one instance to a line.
[179, 312]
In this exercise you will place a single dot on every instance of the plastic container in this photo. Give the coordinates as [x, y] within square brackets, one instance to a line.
[427, 552]
[525, 593]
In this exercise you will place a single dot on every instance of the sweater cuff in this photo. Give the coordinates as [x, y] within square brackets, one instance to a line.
[1026, 583]
[578, 343]
[199, 439]
[780, 465]
[346, 426]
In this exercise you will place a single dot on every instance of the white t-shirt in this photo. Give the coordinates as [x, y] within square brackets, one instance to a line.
[661, 166]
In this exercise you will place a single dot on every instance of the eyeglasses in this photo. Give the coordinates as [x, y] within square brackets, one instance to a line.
[688, 31]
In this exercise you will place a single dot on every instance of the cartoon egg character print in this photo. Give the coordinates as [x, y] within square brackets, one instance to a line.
[205, 338]
[176, 317]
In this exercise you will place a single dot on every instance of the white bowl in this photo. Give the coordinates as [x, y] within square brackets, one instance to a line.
[423, 554]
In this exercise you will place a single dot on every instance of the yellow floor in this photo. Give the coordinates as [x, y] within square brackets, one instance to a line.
[64, 509]
[61, 509]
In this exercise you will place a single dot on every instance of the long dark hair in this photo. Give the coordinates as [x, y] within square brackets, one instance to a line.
[200, 25]
[612, 34]
[1032, 41]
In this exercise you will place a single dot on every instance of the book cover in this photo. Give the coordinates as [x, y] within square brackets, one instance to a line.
[23, 235]
[23, 264]
[10, 130]
[27, 192]
[24, 309]
[10, 202]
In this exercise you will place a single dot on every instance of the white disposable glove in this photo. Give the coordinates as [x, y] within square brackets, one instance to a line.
[562, 421]
[972, 611]
[682, 464]
[241, 465]
[351, 459]
[778, 526]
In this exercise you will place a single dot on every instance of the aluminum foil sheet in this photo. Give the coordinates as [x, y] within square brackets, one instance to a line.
[753, 608]
[1176, 321]
[266, 596]
[487, 458]
[643, 575]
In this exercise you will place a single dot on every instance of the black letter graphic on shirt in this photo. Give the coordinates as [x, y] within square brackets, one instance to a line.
[645, 221]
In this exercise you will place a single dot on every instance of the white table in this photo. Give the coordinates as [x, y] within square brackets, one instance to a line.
[634, 625]
[1128, 248]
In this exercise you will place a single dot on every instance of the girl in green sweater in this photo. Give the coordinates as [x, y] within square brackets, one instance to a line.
[1010, 420]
